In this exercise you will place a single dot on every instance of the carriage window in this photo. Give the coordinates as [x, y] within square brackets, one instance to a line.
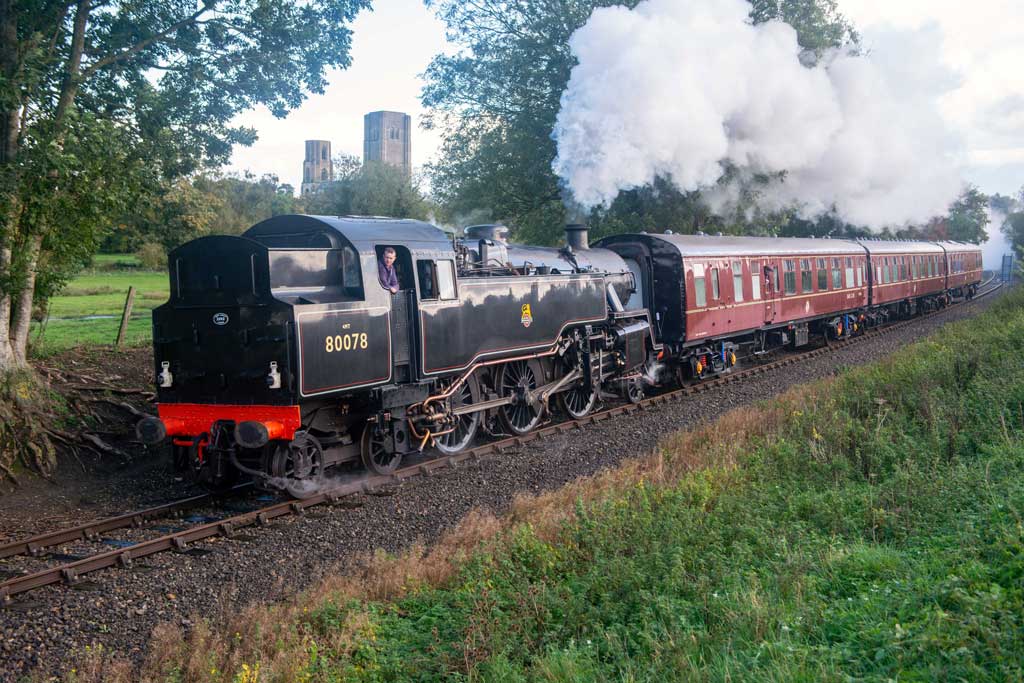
[822, 275]
[737, 281]
[806, 281]
[789, 276]
[914, 267]
[837, 275]
[714, 283]
[883, 271]
[860, 275]
[755, 280]
[849, 272]
[700, 294]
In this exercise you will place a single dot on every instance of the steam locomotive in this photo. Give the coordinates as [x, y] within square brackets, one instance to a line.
[279, 355]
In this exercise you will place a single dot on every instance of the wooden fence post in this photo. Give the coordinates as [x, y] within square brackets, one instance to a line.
[125, 316]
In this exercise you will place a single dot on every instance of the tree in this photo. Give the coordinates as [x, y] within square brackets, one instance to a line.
[967, 217]
[497, 99]
[246, 200]
[100, 100]
[370, 189]
[1013, 225]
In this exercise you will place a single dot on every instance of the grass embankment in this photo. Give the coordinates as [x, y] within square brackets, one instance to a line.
[867, 527]
[101, 291]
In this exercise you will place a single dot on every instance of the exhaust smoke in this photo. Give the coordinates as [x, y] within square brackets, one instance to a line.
[693, 92]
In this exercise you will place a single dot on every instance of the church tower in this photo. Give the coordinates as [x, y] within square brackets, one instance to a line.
[387, 137]
[317, 169]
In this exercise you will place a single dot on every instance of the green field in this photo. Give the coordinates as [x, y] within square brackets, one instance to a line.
[863, 528]
[101, 291]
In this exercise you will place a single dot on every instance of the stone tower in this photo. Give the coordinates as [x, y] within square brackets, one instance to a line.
[317, 167]
[387, 137]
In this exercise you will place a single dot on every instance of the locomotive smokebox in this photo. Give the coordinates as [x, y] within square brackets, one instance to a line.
[492, 231]
[576, 236]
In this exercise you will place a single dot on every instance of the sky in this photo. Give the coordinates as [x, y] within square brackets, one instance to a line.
[981, 43]
[391, 46]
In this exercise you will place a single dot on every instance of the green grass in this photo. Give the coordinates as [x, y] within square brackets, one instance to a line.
[108, 261]
[65, 334]
[102, 291]
[875, 534]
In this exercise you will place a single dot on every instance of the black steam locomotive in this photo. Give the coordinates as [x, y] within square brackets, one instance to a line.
[280, 355]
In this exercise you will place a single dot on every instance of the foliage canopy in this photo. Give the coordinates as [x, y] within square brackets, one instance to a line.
[102, 103]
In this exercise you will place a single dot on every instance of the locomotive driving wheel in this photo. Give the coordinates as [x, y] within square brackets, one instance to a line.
[464, 429]
[377, 448]
[578, 401]
[300, 464]
[516, 381]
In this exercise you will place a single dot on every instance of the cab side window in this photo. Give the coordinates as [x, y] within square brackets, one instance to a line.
[425, 274]
[446, 279]
[436, 279]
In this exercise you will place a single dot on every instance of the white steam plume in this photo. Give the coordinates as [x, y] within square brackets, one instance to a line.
[676, 88]
[997, 246]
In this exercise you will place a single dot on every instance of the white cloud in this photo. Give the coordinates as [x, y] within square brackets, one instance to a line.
[391, 46]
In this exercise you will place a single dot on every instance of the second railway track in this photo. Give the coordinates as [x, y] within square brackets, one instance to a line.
[72, 572]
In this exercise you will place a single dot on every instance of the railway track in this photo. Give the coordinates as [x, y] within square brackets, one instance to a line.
[182, 540]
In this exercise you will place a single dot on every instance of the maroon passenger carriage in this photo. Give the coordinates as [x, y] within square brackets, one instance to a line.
[710, 296]
[906, 277]
[964, 262]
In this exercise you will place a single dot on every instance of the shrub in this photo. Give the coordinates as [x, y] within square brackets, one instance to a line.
[152, 256]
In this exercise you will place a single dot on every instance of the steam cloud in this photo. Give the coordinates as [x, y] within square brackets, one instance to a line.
[677, 88]
[997, 246]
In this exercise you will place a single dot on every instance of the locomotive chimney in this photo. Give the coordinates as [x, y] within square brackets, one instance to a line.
[576, 236]
[490, 231]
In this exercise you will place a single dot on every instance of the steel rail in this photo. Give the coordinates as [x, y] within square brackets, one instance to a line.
[124, 557]
[89, 531]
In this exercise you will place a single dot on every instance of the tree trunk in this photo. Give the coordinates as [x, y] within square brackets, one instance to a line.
[10, 126]
[22, 320]
[7, 357]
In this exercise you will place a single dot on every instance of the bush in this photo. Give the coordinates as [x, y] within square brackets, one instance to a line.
[152, 256]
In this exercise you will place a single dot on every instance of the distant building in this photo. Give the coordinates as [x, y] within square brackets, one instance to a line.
[317, 169]
[387, 137]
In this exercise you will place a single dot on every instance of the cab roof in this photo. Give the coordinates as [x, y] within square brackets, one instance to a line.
[296, 231]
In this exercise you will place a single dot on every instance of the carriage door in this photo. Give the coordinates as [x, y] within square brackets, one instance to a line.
[769, 275]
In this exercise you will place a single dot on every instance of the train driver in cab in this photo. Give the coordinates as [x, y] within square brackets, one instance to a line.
[386, 271]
